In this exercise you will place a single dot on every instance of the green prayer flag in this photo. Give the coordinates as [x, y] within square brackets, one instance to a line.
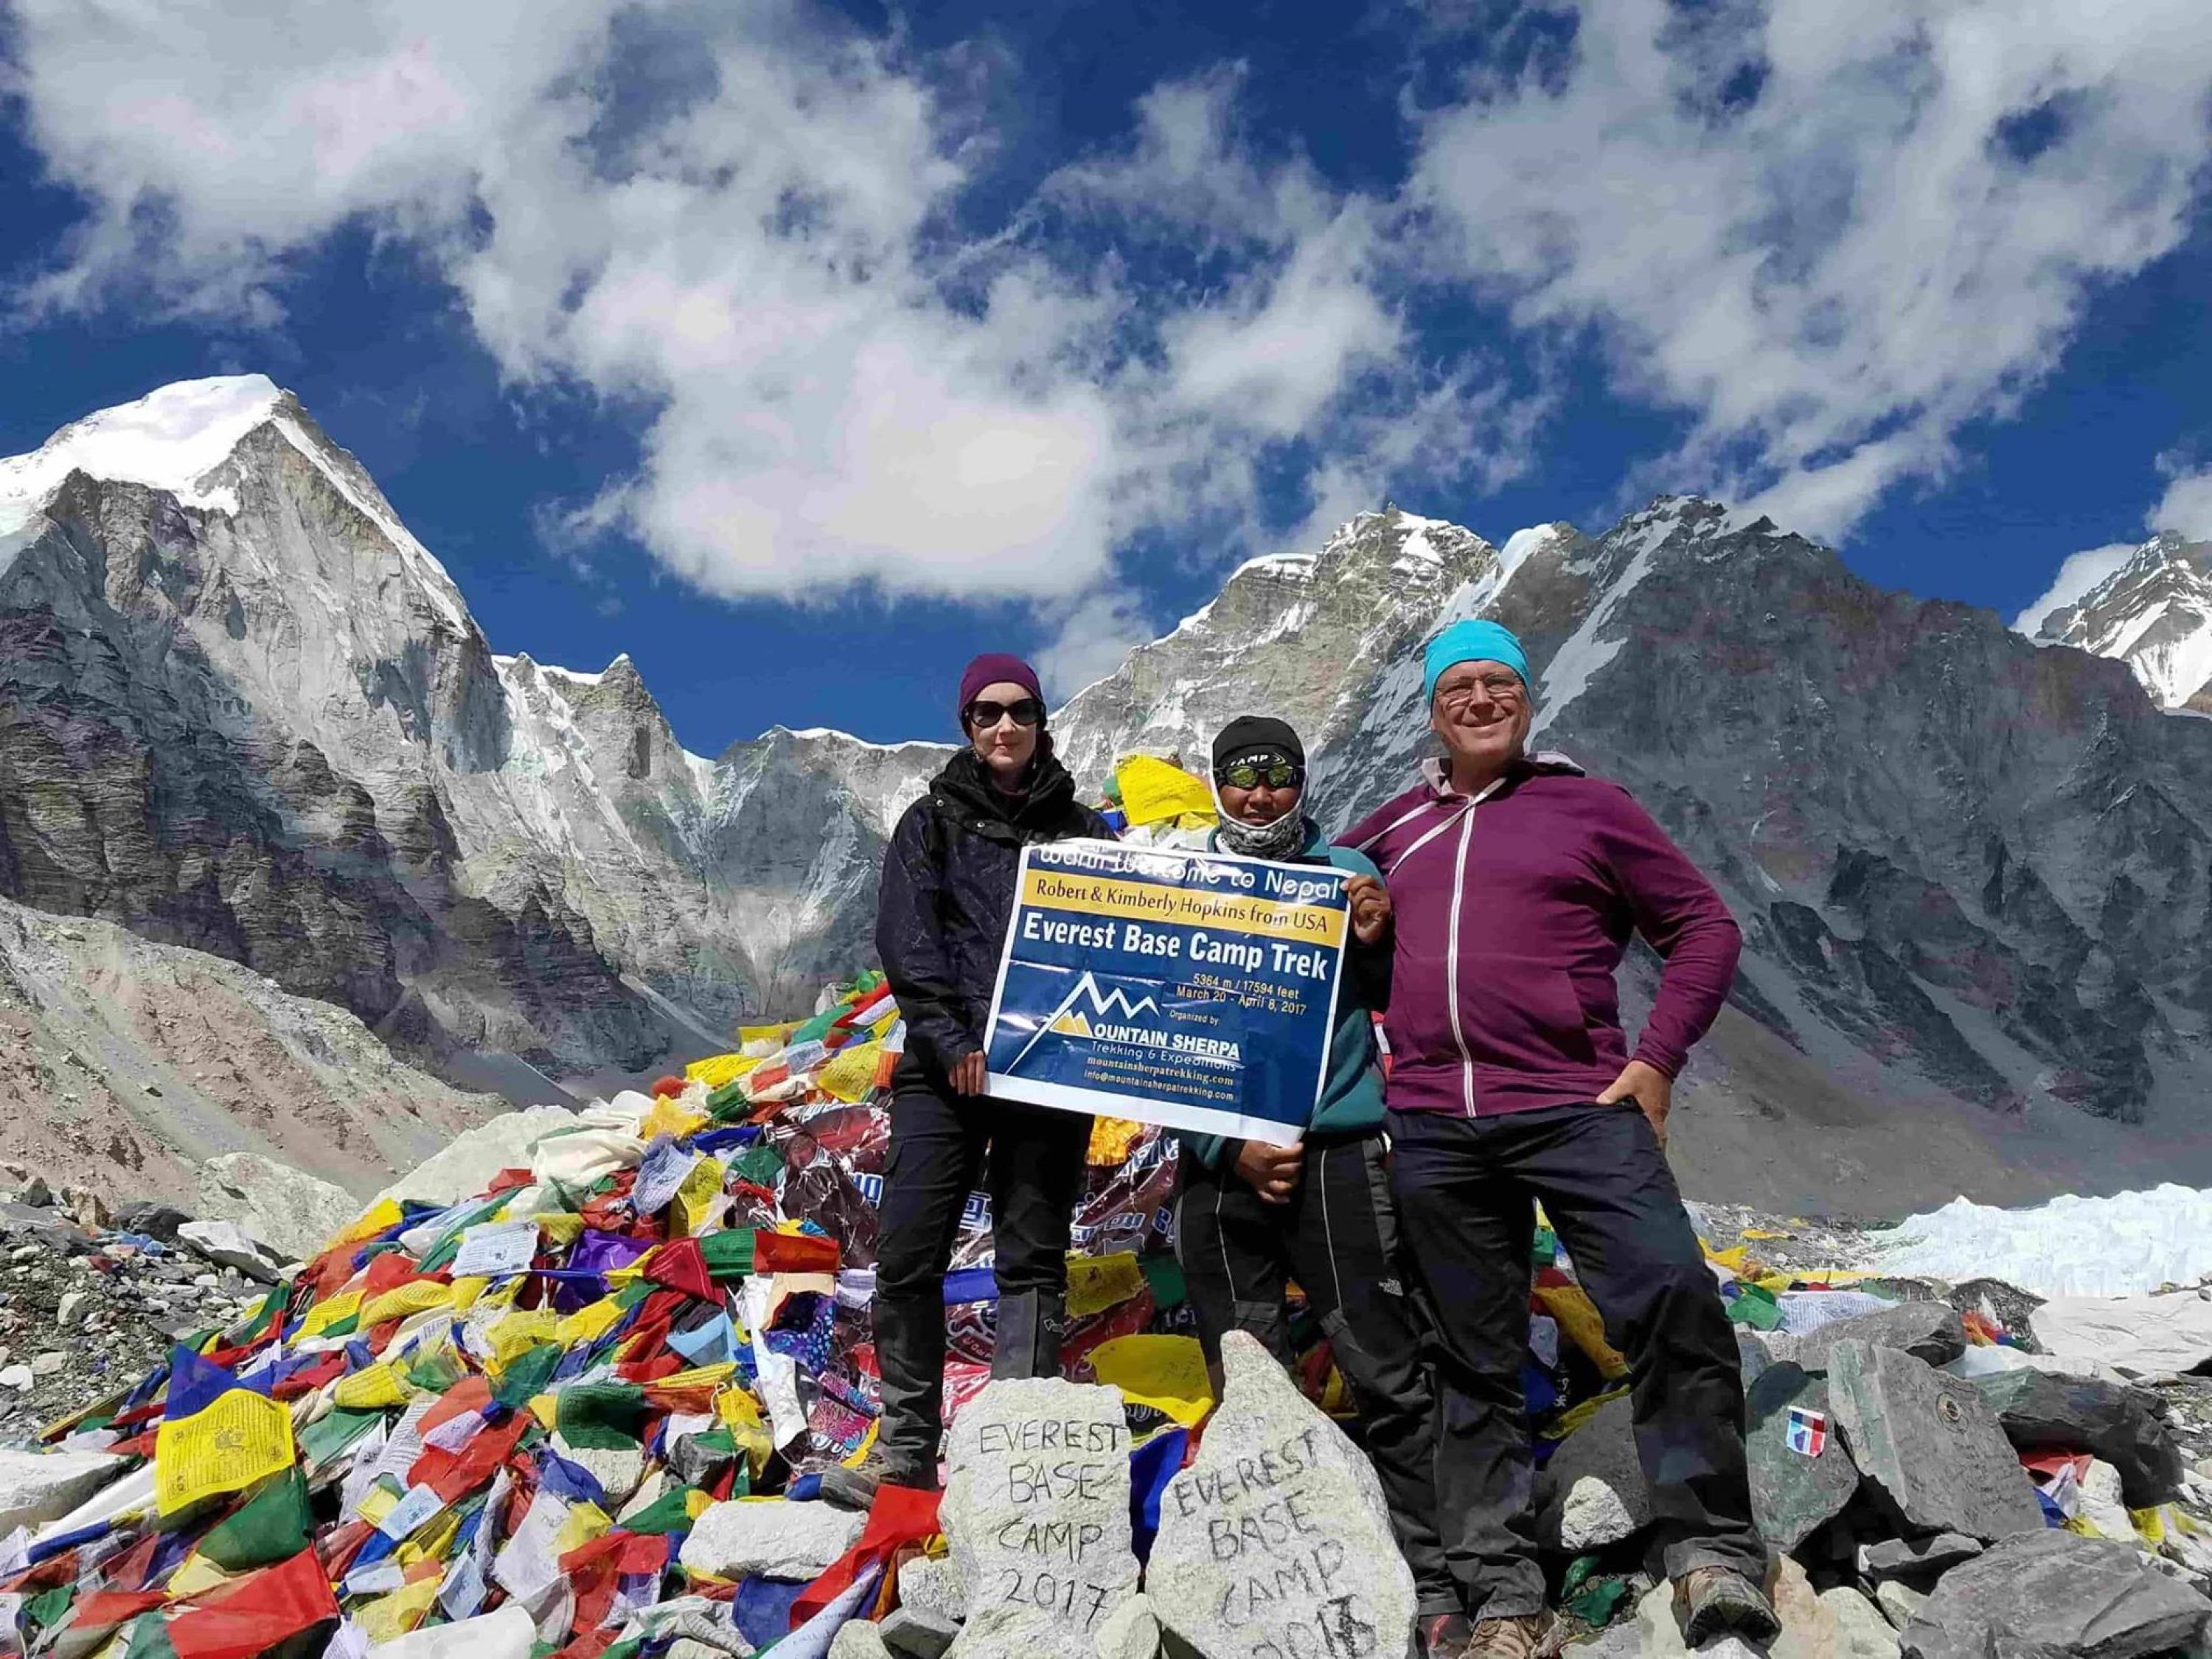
[670, 1512]
[45, 1609]
[1164, 1273]
[150, 1638]
[601, 1416]
[273, 1524]
[728, 1254]
[759, 1163]
[527, 1374]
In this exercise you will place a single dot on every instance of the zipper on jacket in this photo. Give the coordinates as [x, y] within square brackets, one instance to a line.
[1451, 947]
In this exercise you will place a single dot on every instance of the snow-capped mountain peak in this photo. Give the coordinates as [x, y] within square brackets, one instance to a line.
[168, 440]
[2153, 613]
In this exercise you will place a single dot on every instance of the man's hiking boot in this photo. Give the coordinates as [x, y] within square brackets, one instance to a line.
[1444, 1636]
[1721, 1602]
[1509, 1638]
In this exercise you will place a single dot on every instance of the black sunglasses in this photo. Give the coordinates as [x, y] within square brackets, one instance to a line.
[982, 716]
[1278, 774]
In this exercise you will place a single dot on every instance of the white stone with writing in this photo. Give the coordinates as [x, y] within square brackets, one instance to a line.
[1036, 1510]
[1276, 1543]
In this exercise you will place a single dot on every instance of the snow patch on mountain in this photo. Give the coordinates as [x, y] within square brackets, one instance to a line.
[2153, 611]
[2079, 576]
[168, 440]
[1591, 646]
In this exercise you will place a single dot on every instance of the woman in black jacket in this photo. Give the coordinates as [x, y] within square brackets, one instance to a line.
[948, 891]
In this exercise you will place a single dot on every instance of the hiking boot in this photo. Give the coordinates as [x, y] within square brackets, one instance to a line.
[1444, 1636]
[1721, 1602]
[1522, 1637]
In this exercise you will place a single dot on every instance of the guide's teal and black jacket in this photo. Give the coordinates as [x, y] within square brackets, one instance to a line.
[1351, 1099]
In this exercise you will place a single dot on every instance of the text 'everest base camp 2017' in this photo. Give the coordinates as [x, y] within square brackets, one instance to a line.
[462, 1193]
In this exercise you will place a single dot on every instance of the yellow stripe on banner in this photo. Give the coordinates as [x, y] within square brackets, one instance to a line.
[1102, 896]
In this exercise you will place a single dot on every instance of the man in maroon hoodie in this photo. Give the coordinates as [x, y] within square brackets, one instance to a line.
[1515, 882]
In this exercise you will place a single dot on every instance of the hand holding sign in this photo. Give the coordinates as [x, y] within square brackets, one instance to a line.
[1271, 1171]
[1370, 909]
[1193, 990]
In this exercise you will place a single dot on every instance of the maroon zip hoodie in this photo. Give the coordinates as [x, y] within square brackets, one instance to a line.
[1512, 910]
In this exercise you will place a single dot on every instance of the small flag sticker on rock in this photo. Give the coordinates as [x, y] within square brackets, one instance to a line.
[1807, 1433]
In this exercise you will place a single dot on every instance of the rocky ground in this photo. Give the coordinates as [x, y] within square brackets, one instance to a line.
[124, 1063]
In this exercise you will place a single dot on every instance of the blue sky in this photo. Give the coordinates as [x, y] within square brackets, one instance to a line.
[800, 351]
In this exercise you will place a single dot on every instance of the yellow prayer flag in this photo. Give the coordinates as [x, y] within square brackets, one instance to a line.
[1578, 1318]
[324, 1315]
[588, 1323]
[384, 1213]
[372, 1388]
[719, 1069]
[420, 1296]
[237, 1438]
[1095, 1283]
[699, 1200]
[1153, 789]
[390, 1617]
[1167, 1373]
[668, 1118]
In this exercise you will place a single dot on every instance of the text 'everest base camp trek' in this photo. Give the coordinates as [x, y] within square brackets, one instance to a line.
[298, 879]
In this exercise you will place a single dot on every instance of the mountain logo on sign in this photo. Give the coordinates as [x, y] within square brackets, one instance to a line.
[1068, 1020]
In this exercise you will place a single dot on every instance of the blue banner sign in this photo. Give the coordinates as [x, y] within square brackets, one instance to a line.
[1195, 990]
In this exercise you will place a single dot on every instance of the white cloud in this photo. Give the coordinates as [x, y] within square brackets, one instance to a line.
[2076, 580]
[736, 216]
[1834, 235]
[2186, 507]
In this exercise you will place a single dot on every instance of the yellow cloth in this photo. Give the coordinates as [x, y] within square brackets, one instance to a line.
[1112, 1140]
[390, 1617]
[1095, 1283]
[588, 1323]
[850, 1076]
[1152, 790]
[384, 1213]
[236, 1439]
[668, 1118]
[719, 1069]
[1578, 1318]
[517, 1332]
[419, 1297]
[1167, 1373]
[324, 1315]
[699, 1200]
[371, 1389]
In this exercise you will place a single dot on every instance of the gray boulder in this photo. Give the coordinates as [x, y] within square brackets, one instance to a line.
[1591, 1493]
[294, 1212]
[228, 1245]
[1929, 1445]
[1131, 1631]
[2049, 1594]
[1916, 1560]
[1036, 1510]
[1927, 1330]
[1276, 1540]
[1792, 1495]
[2077, 1413]
[36, 1487]
[744, 1538]
[859, 1638]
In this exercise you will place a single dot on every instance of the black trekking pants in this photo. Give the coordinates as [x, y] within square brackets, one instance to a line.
[1337, 1238]
[1466, 1190]
[1030, 1161]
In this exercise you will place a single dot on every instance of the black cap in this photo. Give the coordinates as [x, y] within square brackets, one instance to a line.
[1249, 733]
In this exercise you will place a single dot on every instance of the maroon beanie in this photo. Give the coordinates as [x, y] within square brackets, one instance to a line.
[993, 668]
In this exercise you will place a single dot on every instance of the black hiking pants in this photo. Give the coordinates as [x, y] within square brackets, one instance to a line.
[1466, 1190]
[1030, 1161]
[1336, 1237]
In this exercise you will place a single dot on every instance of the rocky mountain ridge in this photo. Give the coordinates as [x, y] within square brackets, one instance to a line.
[242, 709]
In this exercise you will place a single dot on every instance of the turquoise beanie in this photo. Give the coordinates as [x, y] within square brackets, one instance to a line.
[1470, 642]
